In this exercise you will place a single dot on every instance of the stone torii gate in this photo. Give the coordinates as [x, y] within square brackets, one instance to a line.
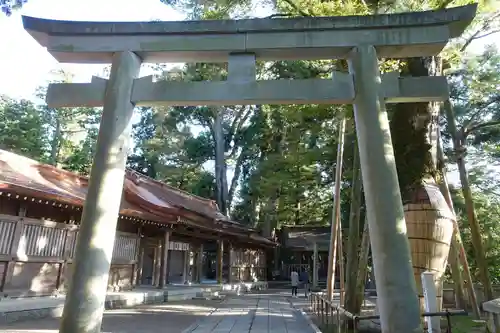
[359, 39]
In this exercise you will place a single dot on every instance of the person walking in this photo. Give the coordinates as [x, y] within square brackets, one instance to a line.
[294, 277]
[304, 278]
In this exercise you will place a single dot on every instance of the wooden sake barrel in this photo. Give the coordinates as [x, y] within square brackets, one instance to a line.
[430, 224]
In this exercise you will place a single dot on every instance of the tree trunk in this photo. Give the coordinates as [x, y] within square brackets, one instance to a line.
[270, 214]
[55, 144]
[353, 240]
[236, 177]
[220, 162]
[260, 213]
[456, 276]
[414, 134]
[410, 126]
[271, 217]
[457, 251]
[458, 145]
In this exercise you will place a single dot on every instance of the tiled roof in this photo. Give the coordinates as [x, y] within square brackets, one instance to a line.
[165, 196]
[143, 197]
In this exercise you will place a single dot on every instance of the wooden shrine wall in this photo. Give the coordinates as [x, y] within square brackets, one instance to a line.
[36, 254]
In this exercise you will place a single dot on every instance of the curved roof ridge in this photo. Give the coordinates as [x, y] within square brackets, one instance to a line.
[170, 187]
[45, 165]
[361, 22]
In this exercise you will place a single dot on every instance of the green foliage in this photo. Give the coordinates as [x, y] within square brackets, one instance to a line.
[22, 129]
[167, 153]
[488, 213]
[49, 135]
[475, 84]
[80, 158]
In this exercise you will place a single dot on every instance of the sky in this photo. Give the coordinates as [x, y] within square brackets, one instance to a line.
[25, 65]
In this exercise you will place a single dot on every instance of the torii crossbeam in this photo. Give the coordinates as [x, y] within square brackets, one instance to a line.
[359, 39]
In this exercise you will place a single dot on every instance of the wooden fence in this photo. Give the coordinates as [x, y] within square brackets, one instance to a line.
[35, 256]
[247, 265]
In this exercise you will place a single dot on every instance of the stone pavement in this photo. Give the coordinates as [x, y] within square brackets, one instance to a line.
[171, 317]
[254, 313]
[263, 312]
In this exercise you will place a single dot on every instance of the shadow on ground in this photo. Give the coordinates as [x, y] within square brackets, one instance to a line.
[173, 317]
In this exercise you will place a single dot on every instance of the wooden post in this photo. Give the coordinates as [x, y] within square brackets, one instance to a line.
[185, 265]
[220, 261]
[456, 241]
[157, 263]
[140, 264]
[165, 244]
[14, 247]
[194, 270]
[139, 258]
[230, 264]
[332, 255]
[362, 269]
[469, 205]
[353, 239]
[341, 263]
[315, 265]
[68, 249]
[199, 264]
[456, 275]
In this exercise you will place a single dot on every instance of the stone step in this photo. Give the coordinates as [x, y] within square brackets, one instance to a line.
[208, 296]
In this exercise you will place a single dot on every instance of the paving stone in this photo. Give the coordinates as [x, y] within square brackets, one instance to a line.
[254, 313]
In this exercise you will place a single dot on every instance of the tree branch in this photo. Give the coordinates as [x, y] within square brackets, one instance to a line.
[480, 126]
[488, 34]
[234, 124]
[486, 190]
[297, 9]
[480, 109]
[445, 4]
[484, 26]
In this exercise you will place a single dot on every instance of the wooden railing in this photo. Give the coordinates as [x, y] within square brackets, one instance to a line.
[40, 238]
[126, 247]
[42, 249]
[7, 230]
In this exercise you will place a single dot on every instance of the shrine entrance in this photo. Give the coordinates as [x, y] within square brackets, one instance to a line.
[361, 40]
